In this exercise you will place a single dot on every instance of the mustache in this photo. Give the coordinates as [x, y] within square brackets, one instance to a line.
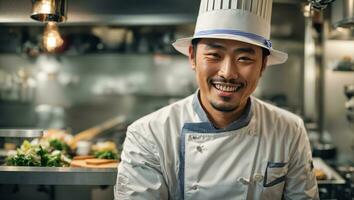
[224, 80]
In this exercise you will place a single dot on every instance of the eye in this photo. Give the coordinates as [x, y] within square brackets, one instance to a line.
[245, 59]
[213, 56]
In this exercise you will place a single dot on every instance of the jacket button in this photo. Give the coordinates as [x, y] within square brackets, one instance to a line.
[244, 181]
[258, 177]
[195, 137]
[199, 149]
[194, 187]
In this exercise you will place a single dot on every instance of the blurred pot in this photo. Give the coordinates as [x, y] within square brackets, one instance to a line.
[324, 150]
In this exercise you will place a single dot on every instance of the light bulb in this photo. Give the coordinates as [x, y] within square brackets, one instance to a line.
[45, 7]
[51, 37]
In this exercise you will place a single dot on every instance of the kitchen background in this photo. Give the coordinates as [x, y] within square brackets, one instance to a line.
[117, 60]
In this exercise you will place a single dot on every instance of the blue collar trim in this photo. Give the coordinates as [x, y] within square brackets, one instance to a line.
[252, 36]
[205, 126]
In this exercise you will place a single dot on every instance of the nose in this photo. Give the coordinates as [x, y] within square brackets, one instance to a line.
[228, 69]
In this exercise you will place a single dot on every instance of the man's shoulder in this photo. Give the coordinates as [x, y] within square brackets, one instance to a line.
[274, 113]
[281, 125]
[165, 114]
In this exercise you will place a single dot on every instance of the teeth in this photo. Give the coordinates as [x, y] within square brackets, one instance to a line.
[226, 88]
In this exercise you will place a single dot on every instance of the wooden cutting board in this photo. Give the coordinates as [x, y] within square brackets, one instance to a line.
[82, 157]
[95, 163]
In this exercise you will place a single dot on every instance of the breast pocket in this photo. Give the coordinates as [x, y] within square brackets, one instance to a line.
[274, 180]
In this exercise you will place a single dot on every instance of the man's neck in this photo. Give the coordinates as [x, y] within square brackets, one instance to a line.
[223, 119]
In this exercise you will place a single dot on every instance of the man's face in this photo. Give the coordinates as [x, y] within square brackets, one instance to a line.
[227, 73]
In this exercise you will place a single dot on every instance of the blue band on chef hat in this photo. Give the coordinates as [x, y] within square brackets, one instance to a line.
[252, 36]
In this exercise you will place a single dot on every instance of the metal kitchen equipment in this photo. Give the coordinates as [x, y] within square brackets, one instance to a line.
[21, 133]
[320, 4]
[57, 176]
[347, 171]
[333, 186]
[349, 104]
[343, 13]
[49, 10]
[349, 91]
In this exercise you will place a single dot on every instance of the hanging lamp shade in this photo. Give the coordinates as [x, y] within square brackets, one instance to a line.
[49, 10]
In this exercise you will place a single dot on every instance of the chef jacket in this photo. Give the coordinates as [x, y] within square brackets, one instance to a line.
[177, 153]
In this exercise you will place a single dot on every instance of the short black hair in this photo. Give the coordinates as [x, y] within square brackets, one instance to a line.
[195, 42]
[266, 52]
[194, 45]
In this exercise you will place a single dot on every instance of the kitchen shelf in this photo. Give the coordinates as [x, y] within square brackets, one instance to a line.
[337, 70]
[22, 133]
[57, 176]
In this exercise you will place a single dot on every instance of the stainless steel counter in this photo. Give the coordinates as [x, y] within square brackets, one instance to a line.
[22, 133]
[333, 178]
[57, 176]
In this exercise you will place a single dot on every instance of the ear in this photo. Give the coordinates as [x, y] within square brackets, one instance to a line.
[264, 65]
[191, 57]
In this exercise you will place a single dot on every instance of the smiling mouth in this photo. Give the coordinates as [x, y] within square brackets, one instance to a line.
[225, 87]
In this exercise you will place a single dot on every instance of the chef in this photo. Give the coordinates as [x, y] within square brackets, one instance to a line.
[221, 142]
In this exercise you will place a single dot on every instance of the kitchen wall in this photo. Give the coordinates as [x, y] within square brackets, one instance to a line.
[339, 129]
[94, 86]
[79, 91]
[283, 84]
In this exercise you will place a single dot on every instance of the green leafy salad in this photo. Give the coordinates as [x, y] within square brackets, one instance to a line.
[106, 150]
[52, 153]
[106, 154]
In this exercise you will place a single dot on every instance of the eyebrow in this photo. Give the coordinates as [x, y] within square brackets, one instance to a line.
[245, 50]
[214, 46]
[238, 50]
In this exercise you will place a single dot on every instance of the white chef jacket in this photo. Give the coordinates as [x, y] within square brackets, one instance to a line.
[176, 153]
